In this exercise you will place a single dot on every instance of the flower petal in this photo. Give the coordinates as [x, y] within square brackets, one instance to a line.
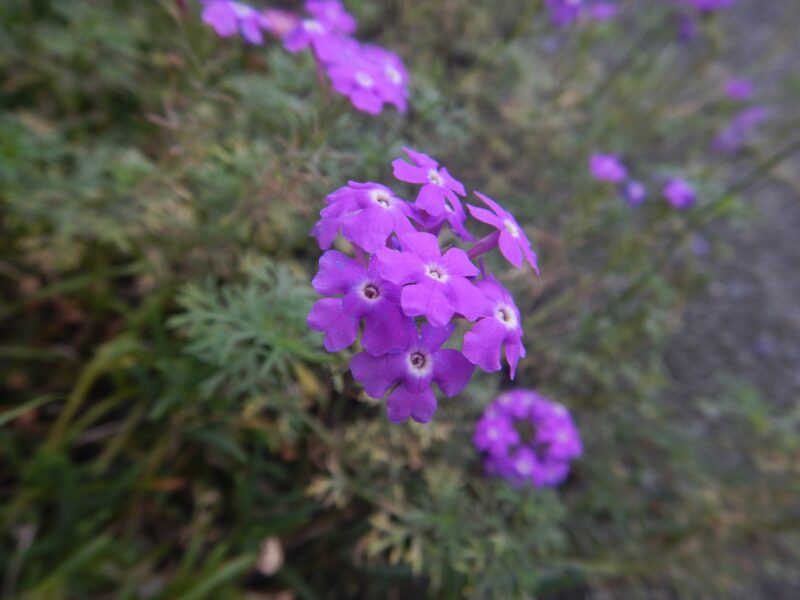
[398, 267]
[404, 403]
[337, 274]
[386, 329]
[377, 373]
[509, 248]
[485, 216]
[431, 199]
[425, 245]
[368, 228]
[483, 345]
[451, 371]
[408, 172]
[466, 298]
[340, 328]
[427, 299]
[457, 262]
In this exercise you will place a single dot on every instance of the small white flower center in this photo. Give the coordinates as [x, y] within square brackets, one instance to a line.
[511, 227]
[370, 291]
[364, 80]
[420, 364]
[241, 10]
[312, 26]
[493, 434]
[393, 74]
[524, 466]
[507, 316]
[381, 197]
[436, 272]
[435, 178]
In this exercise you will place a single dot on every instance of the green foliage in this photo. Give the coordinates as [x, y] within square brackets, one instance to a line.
[167, 412]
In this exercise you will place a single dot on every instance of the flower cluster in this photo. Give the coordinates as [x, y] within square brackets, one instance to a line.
[370, 76]
[744, 122]
[610, 169]
[228, 18]
[527, 439]
[566, 12]
[404, 293]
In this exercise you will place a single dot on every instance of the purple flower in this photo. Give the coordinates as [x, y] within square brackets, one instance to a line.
[494, 434]
[541, 455]
[635, 192]
[361, 81]
[499, 328]
[687, 27]
[735, 135]
[332, 15]
[280, 22]
[739, 89]
[604, 11]
[679, 193]
[413, 370]
[228, 18]
[308, 32]
[607, 167]
[393, 83]
[435, 286]
[510, 238]
[437, 184]
[367, 214]
[362, 294]
[564, 12]
[454, 215]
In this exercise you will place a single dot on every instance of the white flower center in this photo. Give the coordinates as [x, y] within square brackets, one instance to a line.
[511, 227]
[312, 26]
[381, 197]
[420, 364]
[241, 10]
[364, 80]
[507, 316]
[370, 291]
[435, 178]
[493, 434]
[436, 272]
[524, 465]
[393, 74]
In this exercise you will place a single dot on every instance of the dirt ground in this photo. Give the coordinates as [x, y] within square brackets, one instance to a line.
[747, 324]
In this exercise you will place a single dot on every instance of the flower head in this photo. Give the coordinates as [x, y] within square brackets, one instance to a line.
[510, 238]
[741, 127]
[527, 439]
[635, 192]
[435, 286]
[360, 294]
[228, 18]
[411, 371]
[307, 33]
[332, 14]
[499, 328]
[438, 186]
[739, 89]
[679, 193]
[366, 213]
[607, 167]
